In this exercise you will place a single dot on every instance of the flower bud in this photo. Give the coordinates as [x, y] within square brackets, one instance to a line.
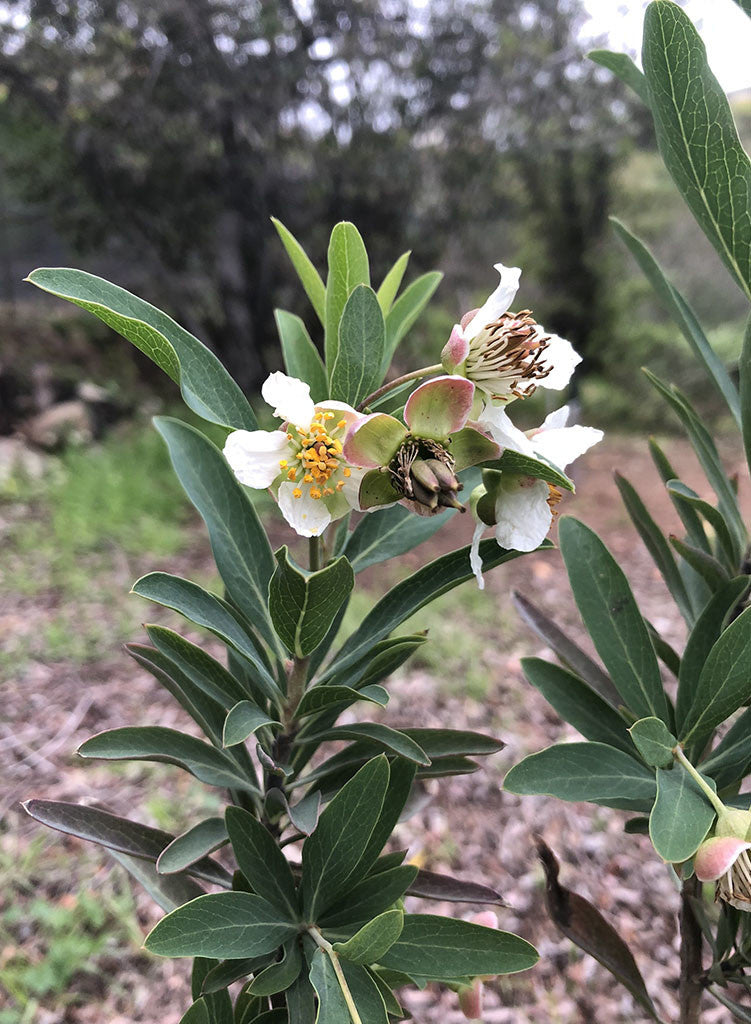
[470, 1000]
[725, 858]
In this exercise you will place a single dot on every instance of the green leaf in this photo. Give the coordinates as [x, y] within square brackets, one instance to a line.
[356, 371]
[681, 816]
[444, 947]
[225, 925]
[226, 972]
[594, 772]
[687, 513]
[624, 68]
[206, 672]
[365, 992]
[607, 606]
[238, 540]
[585, 926]
[702, 638]
[335, 849]
[301, 1001]
[683, 315]
[697, 136]
[167, 891]
[388, 533]
[724, 683]
[319, 698]
[348, 267]
[517, 464]
[304, 605]
[728, 543]
[309, 276]
[745, 5]
[401, 777]
[406, 310]
[368, 945]
[577, 703]
[712, 571]
[243, 720]
[389, 739]
[204, 609]
[654, 741]
[744, 369]
[156, 743]
[656, 545]
[301, 358]
[118, 834]
[206, 386]
[332, 1009]
[185, 850]
[304, 814]
[728, 763]
[449, 742]
[433, 886]
[406, 598]
[279, 976]
[198, 1013]
[261, 861]
[390, 284]
[572, 656]
[370, 897]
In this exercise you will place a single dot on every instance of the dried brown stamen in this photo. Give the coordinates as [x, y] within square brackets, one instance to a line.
[508, 355]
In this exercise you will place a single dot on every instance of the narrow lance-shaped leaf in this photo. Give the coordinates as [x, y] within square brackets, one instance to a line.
[304, 605]
[261, 860]
[389, 533]
[332, 1007]
[744, 367]
[406, 310]
[612, 618]
[167, 891]
[390, 284]
[729, 551]
[205, 385]
[188, 848]
[348, 267]
[624, 68]
[697, 135]
[368, 945]
[309, 276]
[585, 926]
[301, 358]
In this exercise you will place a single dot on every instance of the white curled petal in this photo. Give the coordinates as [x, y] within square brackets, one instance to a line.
[522, 513]
[343, 412]
[474, 554]
[565, 444]
[562, 359]
[289, 398]
[307, 516]
[497, 303]
[556, 419]
[254, 455]
[495, 421]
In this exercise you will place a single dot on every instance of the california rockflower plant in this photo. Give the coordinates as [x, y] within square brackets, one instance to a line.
[667, 734]
[303, 906]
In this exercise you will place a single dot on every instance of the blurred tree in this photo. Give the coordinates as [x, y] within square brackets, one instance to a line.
[170, 131]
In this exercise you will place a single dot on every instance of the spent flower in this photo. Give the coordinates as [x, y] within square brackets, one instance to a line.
[505, 354]
[417, 463]
[303, 463]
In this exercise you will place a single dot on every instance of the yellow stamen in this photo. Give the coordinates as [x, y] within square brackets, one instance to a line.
[342, 424]
[291, 474]
[297, 493]
[340, 485]
[315, 493]
[308, 479]
[347, 471]
[328, 490]
[283, 463]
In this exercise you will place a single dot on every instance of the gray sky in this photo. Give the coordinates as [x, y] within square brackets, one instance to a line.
[724, 27]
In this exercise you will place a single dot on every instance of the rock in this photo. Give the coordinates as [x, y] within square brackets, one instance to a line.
[60, 425]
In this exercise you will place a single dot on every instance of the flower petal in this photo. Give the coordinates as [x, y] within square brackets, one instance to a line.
[716, 856]
[351, 489]
[307, 516]
[562, 359]
[374, 440]
[456, 349]
[496, 421]
[439, 407]
[289, 398]
[344, 412]
[254, 455]
[474, 554]
[470, 447]
[497, 303]
[523, 516]
[564, 444]
[556, 419]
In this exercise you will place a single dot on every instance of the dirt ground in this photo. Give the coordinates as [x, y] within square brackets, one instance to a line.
[470, 827]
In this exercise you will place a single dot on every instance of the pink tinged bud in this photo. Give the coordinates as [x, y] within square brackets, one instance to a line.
[455, 351]
[439, 407]
[470, 1000]
[715, 857]
[469, 317]
[374, 441]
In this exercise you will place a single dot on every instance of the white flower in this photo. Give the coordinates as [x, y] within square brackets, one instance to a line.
[507, 355]
[524, 505]
[303, 465]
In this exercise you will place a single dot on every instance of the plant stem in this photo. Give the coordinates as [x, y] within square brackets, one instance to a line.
[329, 950]
[690, 987]
[706, 789]
[314, 553]
[426, 371]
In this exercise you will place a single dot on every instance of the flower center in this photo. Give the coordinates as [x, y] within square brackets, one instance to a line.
[735, 886]
[318, 457]
[423, 471]
[507, 356]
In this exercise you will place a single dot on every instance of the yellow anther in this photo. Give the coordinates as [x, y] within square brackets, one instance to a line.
[308, 479]
[300, 455]
[322, 465]
[291, 474]
[283, 463]
[328, 490]
[315, 493]
[340, 485]
[347, 471]
[297, 493]
[328, 416]
[338, 447]
[342, 424]
[332, 463]
[290, 437]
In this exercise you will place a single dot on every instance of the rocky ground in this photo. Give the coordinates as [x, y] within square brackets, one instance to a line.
[470, 826]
